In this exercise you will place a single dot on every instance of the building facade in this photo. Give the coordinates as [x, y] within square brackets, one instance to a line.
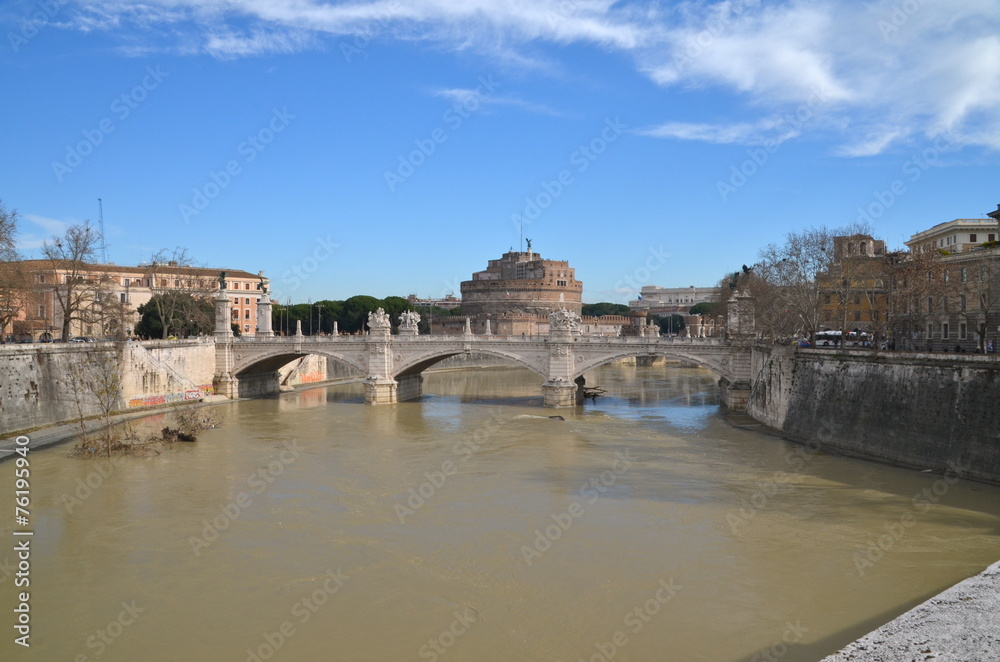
[106, 297]
[522, 283]
[669, 300]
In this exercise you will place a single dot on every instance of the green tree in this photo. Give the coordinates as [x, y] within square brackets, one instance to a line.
[604, 308]
[356, 311]
[189, 316]
[705, 308]
[670, 324]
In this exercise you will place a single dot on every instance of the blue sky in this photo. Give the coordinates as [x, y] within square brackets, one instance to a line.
[389, 147]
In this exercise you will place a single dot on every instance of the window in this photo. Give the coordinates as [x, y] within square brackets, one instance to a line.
[177, 282]
[561, 283]
[41, 278]
[991, 237]
[236, 315]
[246, 300]
[123, 297]
[930, 305]
[246, 314]
[982, 300]
[962, 331]
[972, 238]
[947, 276]
[857, 298]
[246, 286]
[964, 273]
[41, 310]
[944, 331]
[961, 302]
[930, 331]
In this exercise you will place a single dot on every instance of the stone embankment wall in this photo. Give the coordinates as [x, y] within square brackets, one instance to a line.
[926, 411]
[48, 384]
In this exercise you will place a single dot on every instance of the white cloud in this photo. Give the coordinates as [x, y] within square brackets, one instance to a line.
[46, 229]
[889, 72]
[764, 131]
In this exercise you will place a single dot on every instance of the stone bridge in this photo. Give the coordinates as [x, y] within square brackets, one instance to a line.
[391, 364]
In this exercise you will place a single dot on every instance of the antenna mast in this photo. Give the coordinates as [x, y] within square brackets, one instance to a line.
[104, 243]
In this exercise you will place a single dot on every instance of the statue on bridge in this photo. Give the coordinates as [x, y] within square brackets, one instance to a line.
[409, 320]
[564, 320]
[379, 319]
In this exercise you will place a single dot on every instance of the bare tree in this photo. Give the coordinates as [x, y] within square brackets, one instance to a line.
[70, 254]
[15, 287]
[918, 296]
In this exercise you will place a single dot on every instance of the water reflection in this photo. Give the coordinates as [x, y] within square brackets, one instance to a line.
[469, 526]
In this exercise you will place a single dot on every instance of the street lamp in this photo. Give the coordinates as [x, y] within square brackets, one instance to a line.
[319, 318]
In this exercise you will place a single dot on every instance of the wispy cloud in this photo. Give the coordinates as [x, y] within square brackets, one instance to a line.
[462, 95]
[743, 133]
[45, 228]
[888, 74]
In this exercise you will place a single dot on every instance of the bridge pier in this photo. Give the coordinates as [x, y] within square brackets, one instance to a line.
[734, 394]
[409, 387]
[559, 394]
[380, 391]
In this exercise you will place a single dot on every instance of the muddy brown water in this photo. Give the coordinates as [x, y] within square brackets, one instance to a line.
[469, 526]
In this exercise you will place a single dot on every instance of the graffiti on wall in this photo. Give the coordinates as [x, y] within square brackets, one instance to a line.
[171, 398]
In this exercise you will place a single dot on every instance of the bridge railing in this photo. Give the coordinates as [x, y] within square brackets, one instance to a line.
[452, 338]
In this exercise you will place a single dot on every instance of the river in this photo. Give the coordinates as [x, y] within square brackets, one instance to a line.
[468, 525]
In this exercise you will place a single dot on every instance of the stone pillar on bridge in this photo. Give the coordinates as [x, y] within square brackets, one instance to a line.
[380, 387]
[223, 380]
[559, 390]
[264, 315]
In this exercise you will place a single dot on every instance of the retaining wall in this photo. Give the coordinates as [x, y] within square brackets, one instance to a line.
[927, 411]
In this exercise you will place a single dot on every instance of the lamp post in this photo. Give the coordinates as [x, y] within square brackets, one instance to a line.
[319, 318]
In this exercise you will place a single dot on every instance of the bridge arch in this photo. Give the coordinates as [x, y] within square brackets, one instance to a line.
[719, 364]
[271, 361]
[418, 364]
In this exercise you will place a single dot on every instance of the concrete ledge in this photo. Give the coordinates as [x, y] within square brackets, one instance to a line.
[961, 624]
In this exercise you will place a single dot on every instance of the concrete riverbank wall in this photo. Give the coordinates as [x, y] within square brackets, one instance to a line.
[925, 411]
[48, 384]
